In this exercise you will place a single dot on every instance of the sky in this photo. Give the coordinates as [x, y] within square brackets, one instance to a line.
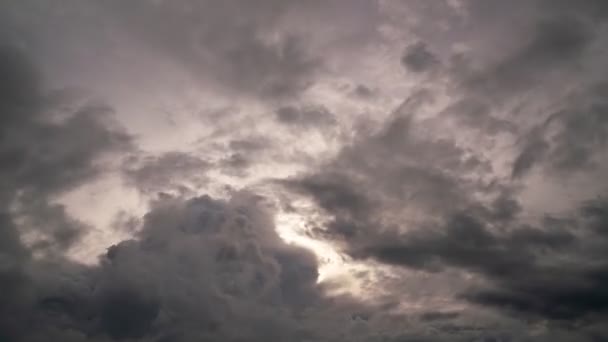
[321, 170]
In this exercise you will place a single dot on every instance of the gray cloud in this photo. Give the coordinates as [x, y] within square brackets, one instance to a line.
[305, 116]
[169, 171]
[198, 268]
[417, 58]
[364, 92]
[229, 43]
[571, 139]
[547, 271]
[556, 44]
[431, 199]
[236, 164]
[477, 114]
[561, 291]
[394, 165]
[43, 154]
[465, 217]
[438, 315]
[251, 144]
[533, 151]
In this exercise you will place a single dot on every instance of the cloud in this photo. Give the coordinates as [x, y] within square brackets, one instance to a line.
[234, 44]
[168, 171]
[413, 196]
[438, 315]
[43, 154]
[364, 92]
[530, 154]
[544, 272]
[368, 182]
[418, 58]
[198, 268]
[571, 139]
[441, 211]
[236, 164]
[556, 43]
[237, 255]
[251, 144]
[477, 114]
[306, 116]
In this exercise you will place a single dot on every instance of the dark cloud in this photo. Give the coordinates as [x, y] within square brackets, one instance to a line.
[520, 262]
[533, 150]
[550, 271]
[427, 204]
[378, 174]
[364, 92]
[418, 58]
[438, 315]
[236, 164]
[20, 85]
[555, 40]
[127, 313]
[44, 151]
[563, 280]
[305, 116]
[465, 242]
[251, 144]
[583, 128]
[596, 213]
[572, 138]
[556, 45]
[336, 194]
[592, 9]
[477, 115]
[199, 268]
[60, 229]
[432, 199]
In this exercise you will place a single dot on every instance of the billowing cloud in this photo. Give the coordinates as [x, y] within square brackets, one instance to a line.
[147, 287]
[303, 171]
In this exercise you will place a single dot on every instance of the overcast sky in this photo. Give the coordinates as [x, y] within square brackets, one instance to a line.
[303, 170]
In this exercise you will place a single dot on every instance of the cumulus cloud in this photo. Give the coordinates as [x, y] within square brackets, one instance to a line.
[196, 266]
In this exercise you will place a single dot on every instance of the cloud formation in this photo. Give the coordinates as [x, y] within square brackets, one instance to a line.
[328, 171]
[232, 43]
[45, 150]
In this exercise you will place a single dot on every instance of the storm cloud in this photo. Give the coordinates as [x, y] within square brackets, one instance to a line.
[177, 171]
